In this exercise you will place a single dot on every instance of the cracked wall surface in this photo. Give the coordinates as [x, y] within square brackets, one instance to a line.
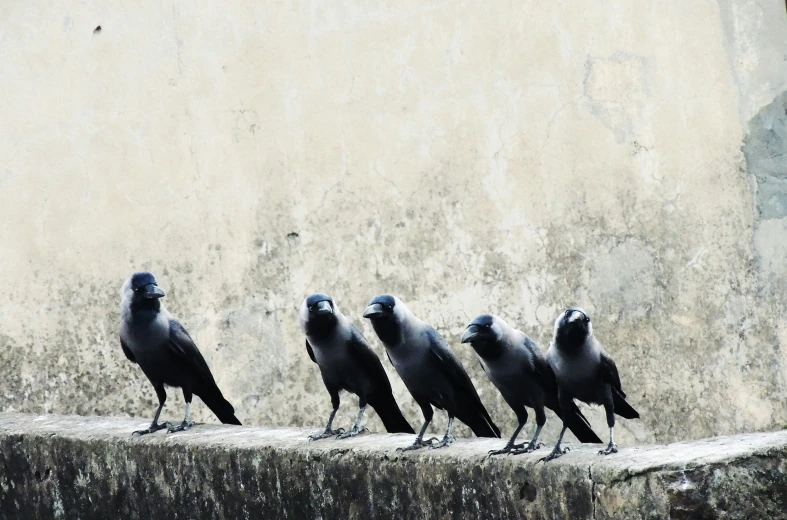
[513, 159]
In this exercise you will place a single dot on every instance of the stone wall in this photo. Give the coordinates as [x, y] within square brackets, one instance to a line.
[91, 468]
[518, 158]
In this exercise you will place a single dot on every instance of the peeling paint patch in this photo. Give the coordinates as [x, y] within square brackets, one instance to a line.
[765, 150]
[616, 89]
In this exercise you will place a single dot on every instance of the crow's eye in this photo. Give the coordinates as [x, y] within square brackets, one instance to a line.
[487, 326]
[389, 307]
[568, 313]
[587, 320]
[311, 308]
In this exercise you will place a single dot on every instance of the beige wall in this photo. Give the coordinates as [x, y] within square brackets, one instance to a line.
[513, 158]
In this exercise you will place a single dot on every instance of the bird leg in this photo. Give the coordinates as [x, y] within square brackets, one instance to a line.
[328, 432]
[610, 409]
[356, 429]
[448, 438]
[533, 445]
[510, 445]
[419, 440]
[612, 447]
[155, 426]
[557, 451]
[185, 425]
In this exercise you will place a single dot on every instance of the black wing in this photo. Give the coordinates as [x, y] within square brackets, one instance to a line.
[609, 372]
[203, 385]
[181, 344]
[363, 354]
[542, 372]
[127, 351]
[380, 396]
[310, 351]
[450, 365]
[470, 410]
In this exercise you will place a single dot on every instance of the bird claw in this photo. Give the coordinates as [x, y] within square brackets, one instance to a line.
[418, 444]
[531, 447]
[612, 448]
[556, 453]
[509, 448]
[447, 440]
[152, 429]
[352, 433]
[325, 434]
[182, 427]
[505, 450]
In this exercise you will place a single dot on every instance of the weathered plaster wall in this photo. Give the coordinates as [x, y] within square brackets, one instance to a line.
[512, 158]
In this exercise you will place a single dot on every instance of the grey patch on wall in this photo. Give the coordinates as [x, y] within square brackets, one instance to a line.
[765, 151]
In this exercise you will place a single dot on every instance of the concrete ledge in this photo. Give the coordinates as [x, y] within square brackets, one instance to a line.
[88, 467]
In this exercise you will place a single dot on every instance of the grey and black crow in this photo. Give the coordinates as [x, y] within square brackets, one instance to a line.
[347, 362]
[516, 366]
[152, 338]
[430, 370]
[585, 371]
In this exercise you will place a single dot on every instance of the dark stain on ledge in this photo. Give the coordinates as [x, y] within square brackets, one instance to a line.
[528, 492]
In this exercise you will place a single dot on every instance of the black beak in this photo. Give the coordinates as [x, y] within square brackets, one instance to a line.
[151, 291]
[374, 310]
[323, 307]
[470, 333]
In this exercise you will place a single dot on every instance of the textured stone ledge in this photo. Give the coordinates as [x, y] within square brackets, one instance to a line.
[89, 467]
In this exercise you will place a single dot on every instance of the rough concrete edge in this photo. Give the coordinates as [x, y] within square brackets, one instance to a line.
[757, 444]
[603, 475]
[690, 465]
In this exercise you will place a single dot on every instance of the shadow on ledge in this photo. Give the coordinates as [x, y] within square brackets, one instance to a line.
[91, 468]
